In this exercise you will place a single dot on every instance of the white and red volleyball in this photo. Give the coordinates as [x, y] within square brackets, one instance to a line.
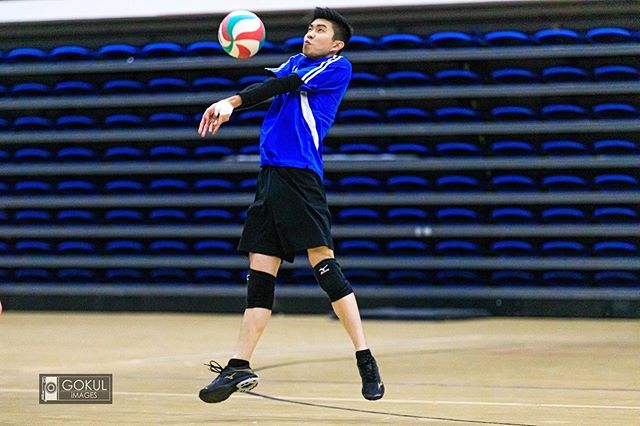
[241, 34]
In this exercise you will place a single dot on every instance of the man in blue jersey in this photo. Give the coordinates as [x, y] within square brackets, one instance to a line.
[290, 211]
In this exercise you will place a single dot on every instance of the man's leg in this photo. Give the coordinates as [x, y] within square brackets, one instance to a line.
[330, 277]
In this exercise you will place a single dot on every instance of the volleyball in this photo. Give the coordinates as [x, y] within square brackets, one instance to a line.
[241, 34]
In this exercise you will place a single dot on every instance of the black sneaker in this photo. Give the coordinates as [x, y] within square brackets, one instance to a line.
[372, 386]
[228, 381]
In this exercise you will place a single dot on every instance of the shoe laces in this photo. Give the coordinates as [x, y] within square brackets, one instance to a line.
[369, 371]
[214, 367]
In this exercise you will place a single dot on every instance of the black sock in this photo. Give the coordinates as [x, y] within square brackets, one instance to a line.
[238, 363]
[363, 355]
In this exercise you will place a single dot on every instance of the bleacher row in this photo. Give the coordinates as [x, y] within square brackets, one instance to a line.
[67, 217]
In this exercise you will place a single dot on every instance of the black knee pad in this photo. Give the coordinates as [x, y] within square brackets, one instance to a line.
[332, 280]
[260, 289]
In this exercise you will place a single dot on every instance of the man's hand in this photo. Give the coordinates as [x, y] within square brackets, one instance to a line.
[215, 116]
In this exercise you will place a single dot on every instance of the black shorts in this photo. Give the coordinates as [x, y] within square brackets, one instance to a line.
[289, 214]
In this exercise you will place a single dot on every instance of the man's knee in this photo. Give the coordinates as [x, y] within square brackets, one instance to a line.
[260, 289]
[331, 279]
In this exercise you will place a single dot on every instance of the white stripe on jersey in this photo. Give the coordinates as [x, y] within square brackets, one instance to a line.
[274, 70]
[309, 118]
[308, 76]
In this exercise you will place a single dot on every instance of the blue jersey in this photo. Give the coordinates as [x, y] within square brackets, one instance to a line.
[297, 122]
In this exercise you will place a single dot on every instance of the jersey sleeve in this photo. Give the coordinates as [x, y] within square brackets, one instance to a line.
[332, 74]
[283, 70]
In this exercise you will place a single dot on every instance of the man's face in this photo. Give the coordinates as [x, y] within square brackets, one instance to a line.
[319, 42]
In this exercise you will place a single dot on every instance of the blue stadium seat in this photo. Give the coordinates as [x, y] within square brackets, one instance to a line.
[512, 148]
[293, 44]
[213, 216]
[212, 84]
[31, 187]
[251, 118]
[457, 183]
[117, 51]
[168, 185]
[359, 184]
[407, 79]
[270, 48]
[358, 148]
[408, 277]
[74, 88]
[401, 41]
[213, 186]
[406, 215]
[564, 182]
[303, 276]
[361, 42]
[358, 215]
[616, 111]
[564, 147]
[363, 277]
[75, 187]
[214, 247]
[248, 185]
[457, 248]
[25, 54]
[513, 278]
[457, 149]
[513, 182]
[512, 248]
[31, 155]
[123, 216]
[615, 215]
[211, 152]
[616, 147]
[70, 53]
[615, 248]
[123, 153]
[564, 278]
[75, 122]
[514, 76]
[616, 73]
[512, 113]
[456, 215]
[167, 85]
[562, 215]
[456, 114]
[75, 217]
[406, 115]
[509, 215]
[457, 77]
[123, 247]
[358, 247]
[563, 112]
[616, 181]
[4, 125]
[213, 276]
[204, 48]
[616, 278]
[29, 89]
[4, 156]
[560, 36]
[507, 38]
[124, 186]
[407, 183]
[359, 116]
[168, 275]
[75, 275]
[457, 277]
[564, 74]
[76, 247]
[449, 39]
[609, 35]
[162, 50]
[3, 90]
[122, 87]
[168, 247]
[407, 247]
[32, 217]
[168, 119]
[365, 79]
[32, 275]
[248, 80]
[562, 248]
[167, 216]
[168, 153]
[123, 275]
[32, 247]
[123, 121]
[408, 148]
[4, 188]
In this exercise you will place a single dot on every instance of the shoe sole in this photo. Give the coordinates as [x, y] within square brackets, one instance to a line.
[243, 386]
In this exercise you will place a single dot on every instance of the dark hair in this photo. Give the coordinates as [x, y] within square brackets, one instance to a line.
[341, 28]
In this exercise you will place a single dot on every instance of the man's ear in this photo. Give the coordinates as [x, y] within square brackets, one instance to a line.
[338, 45]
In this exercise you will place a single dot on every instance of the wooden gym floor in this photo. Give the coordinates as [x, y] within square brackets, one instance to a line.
[471, 372]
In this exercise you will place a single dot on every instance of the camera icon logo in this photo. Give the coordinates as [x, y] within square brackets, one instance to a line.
[49, 388]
